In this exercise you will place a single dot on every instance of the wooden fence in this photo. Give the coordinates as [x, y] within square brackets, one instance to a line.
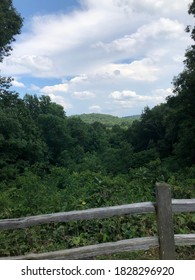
[165, 241]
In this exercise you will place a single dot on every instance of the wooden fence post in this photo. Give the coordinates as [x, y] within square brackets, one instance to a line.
[165, 222]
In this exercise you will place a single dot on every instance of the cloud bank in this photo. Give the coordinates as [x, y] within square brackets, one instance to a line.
[116, 55]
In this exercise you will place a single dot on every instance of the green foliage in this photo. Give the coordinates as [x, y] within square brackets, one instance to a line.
[50, 163]
[10, 25]
[108, 120]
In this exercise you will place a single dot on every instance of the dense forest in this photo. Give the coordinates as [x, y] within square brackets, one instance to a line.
[108, 120]
[51, 163]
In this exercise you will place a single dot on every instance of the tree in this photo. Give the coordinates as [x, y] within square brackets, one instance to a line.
[79, 132]
[98, 137]
[170, 127]
[149, 132]
[183, 103]
[20, 138]
[55, 134]
[43, 105]
[10, 25]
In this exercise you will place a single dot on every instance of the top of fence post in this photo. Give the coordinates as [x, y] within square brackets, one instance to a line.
[165, 222]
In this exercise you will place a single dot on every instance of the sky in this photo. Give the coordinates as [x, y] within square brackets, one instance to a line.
[107, 56]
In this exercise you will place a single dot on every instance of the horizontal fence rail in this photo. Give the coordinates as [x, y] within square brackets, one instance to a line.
[128, 245]
[179, 206]
[164, 207]
[144, 243]
[89, 214]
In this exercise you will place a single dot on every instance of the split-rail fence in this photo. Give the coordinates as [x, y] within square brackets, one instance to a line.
[164, 207]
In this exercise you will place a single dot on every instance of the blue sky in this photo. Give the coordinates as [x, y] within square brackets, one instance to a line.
[113, 56]
[29, 8]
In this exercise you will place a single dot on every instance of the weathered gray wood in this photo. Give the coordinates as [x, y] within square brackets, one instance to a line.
[178, 205]
[129, 245]
[89, 214]
[183, 205]
[134, 244]
[184, 239]
[165, 222]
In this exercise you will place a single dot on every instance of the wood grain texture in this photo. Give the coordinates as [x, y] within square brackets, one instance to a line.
[129, 245]
[89, 214]
[164, 208]
[134, 244]
[178, 206]
[184, 239]
[183, 205]
[165, 222]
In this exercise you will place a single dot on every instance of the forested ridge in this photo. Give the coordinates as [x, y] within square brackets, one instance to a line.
[52, 163]
[107, 120]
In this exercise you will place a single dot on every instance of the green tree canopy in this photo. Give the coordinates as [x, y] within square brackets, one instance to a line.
[183, 104]
[10, 25]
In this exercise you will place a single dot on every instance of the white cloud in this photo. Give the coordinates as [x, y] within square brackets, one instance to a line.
[117, 95]
[55, 88]
[139, 70]
[68, 47]
[34, 62]
[60, 100]
[34, 87]
[129, 99]
[15, 83]
[153, 7]
[130, 44]
[105, 47]
[162, 93]
[79, 79]
[83, 95]
[95, 109]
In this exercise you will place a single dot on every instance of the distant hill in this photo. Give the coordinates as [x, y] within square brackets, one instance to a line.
[107, 120]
